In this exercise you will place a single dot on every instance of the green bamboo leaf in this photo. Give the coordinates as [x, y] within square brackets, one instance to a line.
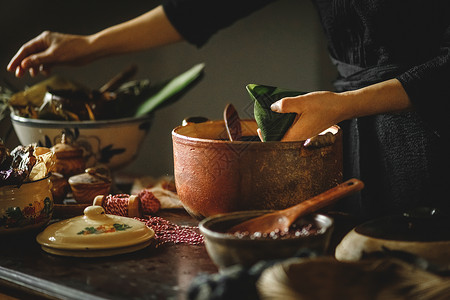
[170, 90]
[273, 125]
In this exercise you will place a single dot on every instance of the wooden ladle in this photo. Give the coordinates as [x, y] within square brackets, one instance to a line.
[283, 219]
[232, 123]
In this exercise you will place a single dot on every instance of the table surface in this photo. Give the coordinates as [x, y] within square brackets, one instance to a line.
[165, 272]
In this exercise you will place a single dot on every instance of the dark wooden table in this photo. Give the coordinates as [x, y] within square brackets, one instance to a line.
[166, 272]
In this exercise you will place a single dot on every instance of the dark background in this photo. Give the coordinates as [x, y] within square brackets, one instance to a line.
[280, 45]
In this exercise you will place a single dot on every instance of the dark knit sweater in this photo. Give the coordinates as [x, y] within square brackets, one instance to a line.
[402, 158]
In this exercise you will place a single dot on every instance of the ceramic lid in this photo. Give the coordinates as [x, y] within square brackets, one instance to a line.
[65, 150]
[91, 176]
[95, 234]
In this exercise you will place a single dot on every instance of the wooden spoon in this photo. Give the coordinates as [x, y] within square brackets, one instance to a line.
[232, 123]
[283, 219]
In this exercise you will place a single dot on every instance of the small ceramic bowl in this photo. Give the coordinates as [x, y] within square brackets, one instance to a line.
[227, 249]
[89, 184]
[25, 208]
[114, 143]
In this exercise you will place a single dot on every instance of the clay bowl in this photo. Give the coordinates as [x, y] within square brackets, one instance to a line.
[427, 237]
[227, 249]
[26, 208]
[214, 175]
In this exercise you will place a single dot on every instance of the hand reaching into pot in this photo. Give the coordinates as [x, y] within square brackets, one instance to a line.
[317, 111]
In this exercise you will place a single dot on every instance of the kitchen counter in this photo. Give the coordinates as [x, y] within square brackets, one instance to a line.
[166, 272]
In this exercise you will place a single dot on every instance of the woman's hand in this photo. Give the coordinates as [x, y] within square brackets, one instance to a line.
[317, 111]
[48, 49]
[150, 30]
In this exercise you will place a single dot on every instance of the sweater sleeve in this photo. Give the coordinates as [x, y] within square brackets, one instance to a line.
[428, 87]
[198, 20]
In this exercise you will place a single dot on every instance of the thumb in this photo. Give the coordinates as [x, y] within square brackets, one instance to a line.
[287, 105]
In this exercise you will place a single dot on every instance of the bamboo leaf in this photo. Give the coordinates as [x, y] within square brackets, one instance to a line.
[273, 125]
[169, 91]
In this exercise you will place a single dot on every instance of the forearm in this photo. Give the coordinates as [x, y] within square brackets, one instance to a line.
[149, 30]
[384, 97]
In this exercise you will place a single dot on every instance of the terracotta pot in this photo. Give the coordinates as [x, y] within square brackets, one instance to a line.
[214, 175]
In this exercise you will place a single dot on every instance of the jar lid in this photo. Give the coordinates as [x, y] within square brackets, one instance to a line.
[95, 234]
[66, 150]
[91, 176]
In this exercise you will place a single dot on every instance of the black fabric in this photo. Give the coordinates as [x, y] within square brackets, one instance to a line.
[398, 156]
[414, 34]
[198, 20]
[401, 157]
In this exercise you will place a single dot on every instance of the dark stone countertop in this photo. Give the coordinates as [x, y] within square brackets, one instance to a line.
[165, 272]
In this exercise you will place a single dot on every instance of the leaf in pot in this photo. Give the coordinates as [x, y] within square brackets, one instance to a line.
[171, 91]
[128, 97]
[34, 95]
[69, 105]
[273, 125]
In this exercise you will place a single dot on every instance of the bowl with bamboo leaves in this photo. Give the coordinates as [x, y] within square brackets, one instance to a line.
[109, 124]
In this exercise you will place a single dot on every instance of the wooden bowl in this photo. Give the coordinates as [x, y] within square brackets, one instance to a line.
[86, 186]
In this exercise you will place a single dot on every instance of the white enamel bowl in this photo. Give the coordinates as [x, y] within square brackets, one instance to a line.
[114, 143]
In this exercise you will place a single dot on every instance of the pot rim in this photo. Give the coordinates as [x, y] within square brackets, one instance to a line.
[16, 186]
[187, 139]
